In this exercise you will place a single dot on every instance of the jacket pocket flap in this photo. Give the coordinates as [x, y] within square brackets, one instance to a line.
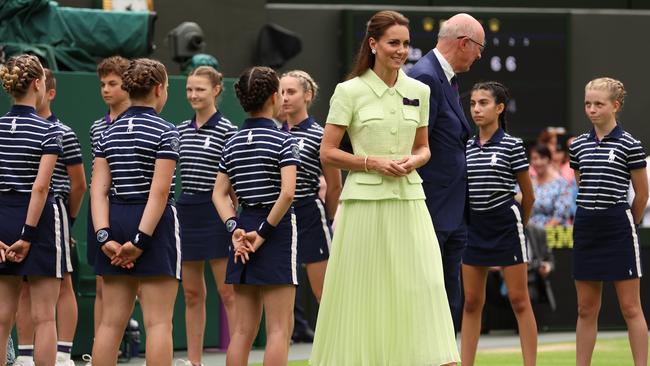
[411, 114]
[370, 113]
[367, 178]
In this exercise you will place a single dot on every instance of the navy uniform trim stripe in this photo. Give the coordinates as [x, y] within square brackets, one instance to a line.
[605, 167]
[200, 152]
[323, 220]
[294, 249]
[492, 169]
[252, 159]
[58, 240]
[177, 241]
[309, 136]
[131, 146]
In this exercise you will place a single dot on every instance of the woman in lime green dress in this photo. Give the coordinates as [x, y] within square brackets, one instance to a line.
[384, 300]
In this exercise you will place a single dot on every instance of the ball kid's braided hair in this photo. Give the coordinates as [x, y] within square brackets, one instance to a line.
[18, 73]
[142, 76]
[255, 86]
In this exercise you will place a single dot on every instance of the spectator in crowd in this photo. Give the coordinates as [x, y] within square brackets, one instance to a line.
[552, 195]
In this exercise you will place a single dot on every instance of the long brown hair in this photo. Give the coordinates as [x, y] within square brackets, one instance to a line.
[376, 28]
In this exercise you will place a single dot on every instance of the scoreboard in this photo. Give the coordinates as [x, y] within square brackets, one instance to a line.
[526, 52]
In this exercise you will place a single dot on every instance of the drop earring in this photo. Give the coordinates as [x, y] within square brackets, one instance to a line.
[374, 51]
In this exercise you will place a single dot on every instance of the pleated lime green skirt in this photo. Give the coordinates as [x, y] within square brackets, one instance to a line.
[384, 300]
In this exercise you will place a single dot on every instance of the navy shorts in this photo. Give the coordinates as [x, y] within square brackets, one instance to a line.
[162, 258]
[64, 232]
[203, 234]
[496, 237]
[605, 245]
[314, 234]
[46, 254]
[274, 263]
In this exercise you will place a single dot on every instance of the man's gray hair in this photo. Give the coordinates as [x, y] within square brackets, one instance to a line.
[455, 30]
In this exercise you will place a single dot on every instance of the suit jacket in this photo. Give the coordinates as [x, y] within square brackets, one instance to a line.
[445, 175]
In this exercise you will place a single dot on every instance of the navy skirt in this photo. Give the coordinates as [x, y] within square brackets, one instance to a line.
[46, 254]
[496, 237]
[64, 232]
[314, 234]
[162, 258]
[605, 245]
[203, 234]
[274, 263]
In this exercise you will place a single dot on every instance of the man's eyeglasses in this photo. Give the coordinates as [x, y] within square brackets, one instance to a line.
[480, 45]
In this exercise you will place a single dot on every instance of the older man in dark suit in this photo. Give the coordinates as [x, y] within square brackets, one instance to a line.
[461, 40]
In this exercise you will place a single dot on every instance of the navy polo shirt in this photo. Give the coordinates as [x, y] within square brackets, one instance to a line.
[131, 146]
[492, 169]
[24, 138]
[200, 155]
[309, 136]
[71, 156]
[252, 159]
[605, 167]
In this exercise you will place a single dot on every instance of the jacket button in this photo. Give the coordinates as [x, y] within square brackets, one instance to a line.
[392, 111]
[393, 130]
[392, 150]
[391, 91]
[396, 191]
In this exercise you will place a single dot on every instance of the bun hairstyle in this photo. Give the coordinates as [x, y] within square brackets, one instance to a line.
[142, 76]
[306, 81]
[18, 73]
[255, 86]
[614, 87]
[209, 72]
[500, 94]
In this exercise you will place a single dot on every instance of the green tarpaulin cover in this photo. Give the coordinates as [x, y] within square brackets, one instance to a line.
[72, 39]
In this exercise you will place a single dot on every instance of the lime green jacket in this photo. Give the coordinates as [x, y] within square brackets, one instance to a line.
[381, 122]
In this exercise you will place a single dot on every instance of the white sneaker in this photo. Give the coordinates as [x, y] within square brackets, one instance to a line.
[24, 361]
[63, 359]
[64, 363]
[181, 362]
[88, 358]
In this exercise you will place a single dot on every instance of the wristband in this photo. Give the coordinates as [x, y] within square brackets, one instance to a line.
[141, 240]
[265, 229]
[29, 233]
[104, 235]
[232, 224]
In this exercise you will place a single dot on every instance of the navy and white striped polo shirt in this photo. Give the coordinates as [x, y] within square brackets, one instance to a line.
[71, 156]
[24, 138]
[96, 130]
[253, 158]
[492, 169]
[131, 146]
[605, 167]
[309, 136]
[200, 154]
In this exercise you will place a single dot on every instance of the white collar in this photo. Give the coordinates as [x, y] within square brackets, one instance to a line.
[446, 67]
